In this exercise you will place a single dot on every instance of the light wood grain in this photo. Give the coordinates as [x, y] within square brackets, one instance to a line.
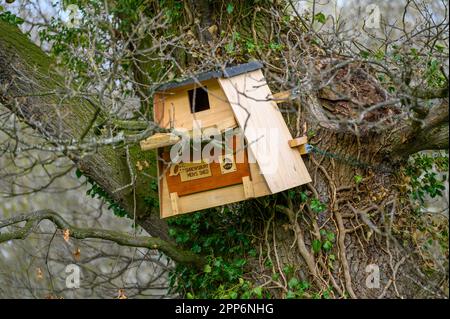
[298, 141]
[248, 187]
[211, 198]
[219, 114]
[265, 130]
[174, 203]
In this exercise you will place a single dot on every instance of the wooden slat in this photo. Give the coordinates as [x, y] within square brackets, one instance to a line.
[159, 140]
[298, 141]
[211, 198]
[219, 114]
[260, 187]
[248, 187]
[174, 203]
[265, 131]
[216, 180]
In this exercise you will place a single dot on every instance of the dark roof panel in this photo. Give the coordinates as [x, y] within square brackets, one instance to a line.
[226, 73]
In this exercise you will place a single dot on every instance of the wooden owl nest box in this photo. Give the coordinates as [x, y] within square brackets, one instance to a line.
[260, 159]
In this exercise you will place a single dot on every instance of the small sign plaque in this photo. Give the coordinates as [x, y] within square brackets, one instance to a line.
[190, 171]
[227, 164]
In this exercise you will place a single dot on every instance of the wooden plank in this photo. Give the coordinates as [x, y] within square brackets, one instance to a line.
[248, 187]
[216, 180]
[282, 96]
[265, 130]
[298, 141]
[159, 140]
[302, 149]
[219, 114]
[174, 203]
[211, 198]
[260, 186]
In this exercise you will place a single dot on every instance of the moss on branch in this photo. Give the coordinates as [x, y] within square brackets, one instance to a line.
[33, 219]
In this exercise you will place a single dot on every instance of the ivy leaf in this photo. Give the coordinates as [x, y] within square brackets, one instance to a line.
[293, 283]
[290, 295]
[258, 292]
[320, 17]
[327, 245]
[304, 285]
[196, 248]
[207, 269]
[358, 179]
[330, 236]
[303, 197]
[317, 206]
[78, 173]
[291, 194]
[316, 245]
[230, 8]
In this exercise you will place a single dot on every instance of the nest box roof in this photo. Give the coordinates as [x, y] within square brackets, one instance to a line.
[225, 73]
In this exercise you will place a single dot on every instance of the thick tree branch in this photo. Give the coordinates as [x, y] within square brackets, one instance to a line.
[33, 219]
[431, 134]
[25, 73]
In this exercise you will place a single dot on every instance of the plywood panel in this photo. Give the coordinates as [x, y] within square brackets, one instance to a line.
[174, 105]
[211, 198]
[265, 130]
[216, 180]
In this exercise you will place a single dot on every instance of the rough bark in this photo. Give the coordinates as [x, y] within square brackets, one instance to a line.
[26, 75]
[431, 133]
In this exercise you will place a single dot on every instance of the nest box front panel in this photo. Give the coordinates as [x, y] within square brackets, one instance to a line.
[172, 108]
[221, 171]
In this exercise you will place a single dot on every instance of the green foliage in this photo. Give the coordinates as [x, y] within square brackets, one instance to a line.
[433, 74]
[326, 244]
[11, 18]
[97, 192]
[223, 237]
[358, 179]
[317, 206]
[230, 8]
[311, 133]
[276, 46]
[173, 10]
[296, 288]
[316, 245]
[320, 17]
[329, 239]
[422, 171]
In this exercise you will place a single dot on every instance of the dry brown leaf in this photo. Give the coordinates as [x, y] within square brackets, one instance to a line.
[66, 235]
[77, 253]
[39, 273]
[122, 294]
